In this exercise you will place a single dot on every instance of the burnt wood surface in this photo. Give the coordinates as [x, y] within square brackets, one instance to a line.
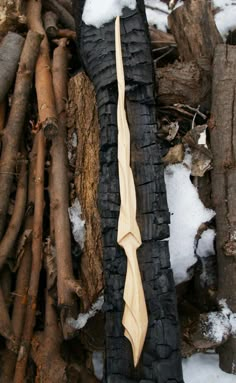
[160, 361]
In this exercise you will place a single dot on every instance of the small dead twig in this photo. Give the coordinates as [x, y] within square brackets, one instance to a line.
[195, 110]
[13, 130]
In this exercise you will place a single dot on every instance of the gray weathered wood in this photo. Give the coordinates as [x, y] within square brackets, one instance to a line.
[223, 144]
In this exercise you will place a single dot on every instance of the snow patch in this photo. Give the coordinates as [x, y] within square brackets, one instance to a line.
[98, 364]
[187, 214]
[78, 224]
[225, 18]
[205, 246]
[218, 327]
[83, 318]
[97, 13]
[204, 368]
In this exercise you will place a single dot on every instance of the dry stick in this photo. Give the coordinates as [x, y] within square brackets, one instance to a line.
[50, 20]
[64, 16]
[22, 282]
[10, 51]
[53, 32]
[66, 283]
[8, 241]
[43, 79]
[36, 262]
[13, 130]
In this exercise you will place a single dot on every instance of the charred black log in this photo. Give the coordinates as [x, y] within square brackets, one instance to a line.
[160, 361]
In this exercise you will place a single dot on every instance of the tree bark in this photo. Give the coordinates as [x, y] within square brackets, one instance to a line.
[183, 83]
[194, 30]
[223, 144]
[82, 110]
[160, 361]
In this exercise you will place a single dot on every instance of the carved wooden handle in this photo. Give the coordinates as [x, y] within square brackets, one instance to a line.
[135, 319]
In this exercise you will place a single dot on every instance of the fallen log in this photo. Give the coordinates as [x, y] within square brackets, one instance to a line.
[10, 51]
[223, 142]
[14, 127]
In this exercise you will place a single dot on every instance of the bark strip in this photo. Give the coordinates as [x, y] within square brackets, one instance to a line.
[13, 130]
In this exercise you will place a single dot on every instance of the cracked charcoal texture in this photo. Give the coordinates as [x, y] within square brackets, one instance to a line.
[160, 361]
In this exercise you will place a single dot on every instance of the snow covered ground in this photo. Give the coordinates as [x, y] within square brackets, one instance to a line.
[204, 368]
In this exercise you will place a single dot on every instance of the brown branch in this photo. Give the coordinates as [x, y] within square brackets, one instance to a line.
[43, 79]
[14, 226]
[2, 115]
[66, 284]
[52, 30]
[13, 130]
[22, 281]
[10, 51]
[50, 20]
[64, 16]
[36, 262]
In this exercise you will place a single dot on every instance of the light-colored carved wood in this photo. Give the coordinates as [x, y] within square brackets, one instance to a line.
[135, 319]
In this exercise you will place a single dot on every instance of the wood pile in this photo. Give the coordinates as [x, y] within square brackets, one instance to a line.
[59, 198]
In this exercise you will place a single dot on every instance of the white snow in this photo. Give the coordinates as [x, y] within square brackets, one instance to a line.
[78, 224]
[97, 12]
[157, 17]
[225, 19]
[83, 318]
[98, 364]
[187, 214]
[218, 326]
[204, 368]
[205, 246]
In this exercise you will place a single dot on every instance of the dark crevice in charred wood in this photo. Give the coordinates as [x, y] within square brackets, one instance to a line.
[160, 361]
